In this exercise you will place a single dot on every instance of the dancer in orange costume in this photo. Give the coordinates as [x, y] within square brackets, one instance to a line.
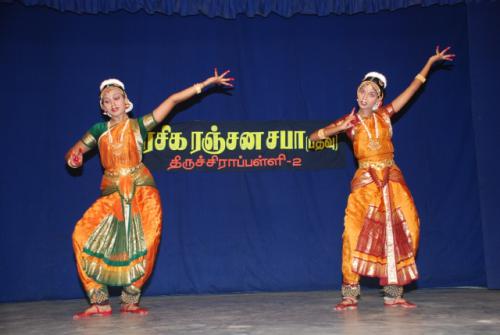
[381, 224]
[116, 240]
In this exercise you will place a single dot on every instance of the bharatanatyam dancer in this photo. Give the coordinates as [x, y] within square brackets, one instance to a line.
[381, 224]
[116, 240]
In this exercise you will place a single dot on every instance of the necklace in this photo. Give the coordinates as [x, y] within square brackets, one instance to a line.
[373, 144]
[116, 146]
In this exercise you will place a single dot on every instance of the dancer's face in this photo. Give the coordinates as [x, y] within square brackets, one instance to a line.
[113, 102]
[368, 97]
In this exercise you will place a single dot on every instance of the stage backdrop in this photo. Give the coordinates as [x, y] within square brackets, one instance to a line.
[243, 231]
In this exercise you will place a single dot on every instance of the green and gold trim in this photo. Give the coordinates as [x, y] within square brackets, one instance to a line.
[109, 276]
[114, 253]
[89, 140]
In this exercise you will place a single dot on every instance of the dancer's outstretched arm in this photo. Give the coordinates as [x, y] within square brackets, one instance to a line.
[74, 156]
[420, 78]
[161, 112]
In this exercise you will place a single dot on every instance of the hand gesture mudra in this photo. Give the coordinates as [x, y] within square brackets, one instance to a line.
[75, 159]
[348, 121]
[221, 79]
[442, 55]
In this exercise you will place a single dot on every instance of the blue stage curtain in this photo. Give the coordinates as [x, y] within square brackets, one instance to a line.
[484, 73]
[248, 231]
[231, 8]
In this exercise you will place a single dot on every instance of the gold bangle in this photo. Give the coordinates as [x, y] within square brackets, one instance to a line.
[321, 134]
[420, 78]
[198, 87]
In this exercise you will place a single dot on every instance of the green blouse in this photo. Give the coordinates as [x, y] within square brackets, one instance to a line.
[91, 137]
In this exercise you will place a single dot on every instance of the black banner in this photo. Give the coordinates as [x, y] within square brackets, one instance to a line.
[245, 145]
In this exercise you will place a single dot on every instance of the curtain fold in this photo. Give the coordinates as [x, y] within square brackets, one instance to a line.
[231, 8]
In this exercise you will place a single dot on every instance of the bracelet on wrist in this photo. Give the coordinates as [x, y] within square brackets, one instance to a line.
[420, 78]
[198, 87]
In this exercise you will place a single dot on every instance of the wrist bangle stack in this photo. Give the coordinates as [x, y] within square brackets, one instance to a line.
[420, 78]
[321, 134]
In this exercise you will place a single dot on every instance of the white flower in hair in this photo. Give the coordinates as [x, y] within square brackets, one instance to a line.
[111, 82]
[379, 76]
[117, 83]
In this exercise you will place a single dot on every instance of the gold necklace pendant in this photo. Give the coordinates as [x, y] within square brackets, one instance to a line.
[116, 148]
[374, 144]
